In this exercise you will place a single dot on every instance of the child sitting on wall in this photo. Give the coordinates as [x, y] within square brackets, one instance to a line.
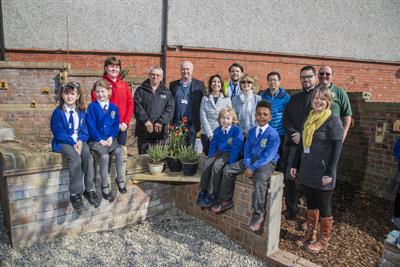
[103, 125]
[68, 125]
[225, 148]
[260, 158]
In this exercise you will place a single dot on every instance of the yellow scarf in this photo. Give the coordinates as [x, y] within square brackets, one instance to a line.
[313, 122]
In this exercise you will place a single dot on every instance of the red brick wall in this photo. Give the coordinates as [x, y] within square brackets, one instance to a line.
[365, 163]
[379, 78]
[233, 223]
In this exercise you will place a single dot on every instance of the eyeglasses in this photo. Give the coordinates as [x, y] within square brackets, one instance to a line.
[325, 74]
[249, 82]
[306, 77]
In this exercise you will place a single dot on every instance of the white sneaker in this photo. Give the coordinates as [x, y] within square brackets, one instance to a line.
[396, 221]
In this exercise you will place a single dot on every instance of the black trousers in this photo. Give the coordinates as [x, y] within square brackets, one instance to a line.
[397, 206]
[205, 142]
[144, 144]
[291, 194]
[319, 200]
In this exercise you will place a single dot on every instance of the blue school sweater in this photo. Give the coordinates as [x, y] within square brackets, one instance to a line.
[60, 128]
[231, 142]
[259, 151]
[102, 125]
[279, 103]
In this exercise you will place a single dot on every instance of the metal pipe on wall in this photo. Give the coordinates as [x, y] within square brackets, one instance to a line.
[164, 40]
[2, 46]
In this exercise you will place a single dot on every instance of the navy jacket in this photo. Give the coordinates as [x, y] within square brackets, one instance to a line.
[60, 127]
[198, 91]
[102, 125]
[231, 142]
[259, 151]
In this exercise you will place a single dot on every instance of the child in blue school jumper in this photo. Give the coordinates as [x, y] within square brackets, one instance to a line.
[68, 125]
[225, 148]
[259, 162]
[103, 126]
[396, 183]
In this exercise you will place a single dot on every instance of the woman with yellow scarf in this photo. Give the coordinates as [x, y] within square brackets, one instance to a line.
[315, 168]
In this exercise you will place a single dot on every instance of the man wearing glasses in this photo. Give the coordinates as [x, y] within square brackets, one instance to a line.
[293, 120]
[341, 104]
[154, 110]
[279, 98]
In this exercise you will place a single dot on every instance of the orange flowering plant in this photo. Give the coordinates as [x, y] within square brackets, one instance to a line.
[176, 137]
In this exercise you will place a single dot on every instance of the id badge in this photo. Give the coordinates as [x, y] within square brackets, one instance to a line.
[184, 101]
[306, 150]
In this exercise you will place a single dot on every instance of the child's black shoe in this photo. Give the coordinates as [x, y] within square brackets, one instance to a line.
[76, 202]
[121, 186]
[107, 196]
[209, 201]
[202, 195]
[92, 198]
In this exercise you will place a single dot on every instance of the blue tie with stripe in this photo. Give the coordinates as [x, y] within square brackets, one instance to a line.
[71, 122]
[259, 133]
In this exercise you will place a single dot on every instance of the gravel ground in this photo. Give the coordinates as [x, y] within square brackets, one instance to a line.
[170, 239]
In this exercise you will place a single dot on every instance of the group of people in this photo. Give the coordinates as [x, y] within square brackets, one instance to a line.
[101, 128]
[242, 131]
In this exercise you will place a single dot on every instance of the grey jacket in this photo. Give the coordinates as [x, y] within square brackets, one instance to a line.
[209, 112]
[246, 114]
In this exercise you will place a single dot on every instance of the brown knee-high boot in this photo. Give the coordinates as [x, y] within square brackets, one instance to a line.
[311, 233]
[324, 234]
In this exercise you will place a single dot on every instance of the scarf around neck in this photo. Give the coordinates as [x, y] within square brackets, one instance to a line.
[313, 122]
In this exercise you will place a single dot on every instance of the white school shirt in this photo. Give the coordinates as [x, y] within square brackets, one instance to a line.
[262, 129]
[75, 117]
[103, 103]
[226, 129]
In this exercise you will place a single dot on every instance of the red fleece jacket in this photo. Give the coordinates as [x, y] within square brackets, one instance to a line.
[121, 97]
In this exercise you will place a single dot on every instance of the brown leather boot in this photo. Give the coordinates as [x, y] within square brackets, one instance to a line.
[325, 230]
[311, 233]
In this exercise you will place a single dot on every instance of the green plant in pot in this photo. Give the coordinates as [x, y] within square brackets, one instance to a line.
[189, 160]
[157, 154]
[176, 137]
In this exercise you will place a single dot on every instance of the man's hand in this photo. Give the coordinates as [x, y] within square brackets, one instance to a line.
[149, 126]
[123, 126]
[326, 180]
[296, 138]
[157, 127]
[248, 173]
[78, 147]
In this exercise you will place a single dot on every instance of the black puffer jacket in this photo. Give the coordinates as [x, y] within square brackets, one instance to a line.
[158, 107]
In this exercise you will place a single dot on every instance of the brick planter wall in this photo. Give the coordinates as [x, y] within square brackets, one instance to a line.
[235, 222]
[35, 198]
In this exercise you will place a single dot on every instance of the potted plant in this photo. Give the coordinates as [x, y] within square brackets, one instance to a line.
[176, 137]
[189, 160]
[157, 154]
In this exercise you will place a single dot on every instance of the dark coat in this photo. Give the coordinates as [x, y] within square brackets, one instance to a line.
[198, 91]
[158, 107]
